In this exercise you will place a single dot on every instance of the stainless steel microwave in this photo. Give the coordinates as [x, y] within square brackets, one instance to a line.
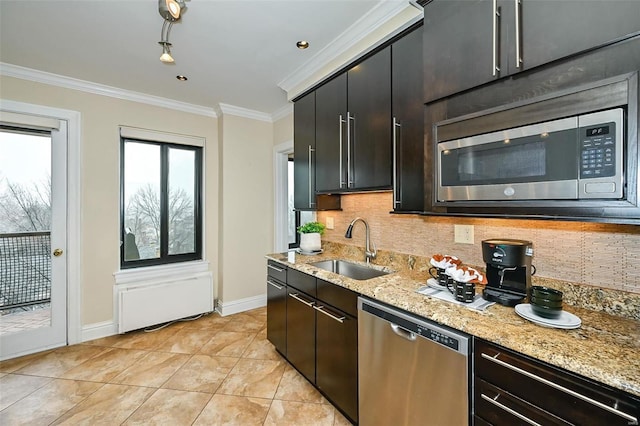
[573, 158]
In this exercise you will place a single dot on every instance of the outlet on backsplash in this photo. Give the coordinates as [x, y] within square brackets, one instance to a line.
[329, 222]
[463, 234]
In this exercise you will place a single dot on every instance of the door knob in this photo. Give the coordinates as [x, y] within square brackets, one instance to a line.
[57, 252]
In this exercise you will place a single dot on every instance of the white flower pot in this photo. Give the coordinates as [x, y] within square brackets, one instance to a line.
[310, 242]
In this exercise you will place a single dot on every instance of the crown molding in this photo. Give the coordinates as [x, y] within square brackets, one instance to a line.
[226, 109]
[24, 73]
[373, 20]
[282, 112]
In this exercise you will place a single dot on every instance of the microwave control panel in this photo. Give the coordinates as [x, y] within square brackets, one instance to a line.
[598, 151]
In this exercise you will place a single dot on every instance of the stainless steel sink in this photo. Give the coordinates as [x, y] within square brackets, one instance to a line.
[349, 269]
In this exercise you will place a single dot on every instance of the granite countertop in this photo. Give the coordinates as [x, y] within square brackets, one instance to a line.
[605, 348]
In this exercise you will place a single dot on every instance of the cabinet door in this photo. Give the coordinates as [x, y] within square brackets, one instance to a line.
[337, 359]
[461, 45]
[552, 29]
[369, 122]
[277, 314]
[304, 143]
[301, 333]
[331, 148]
[408, 123]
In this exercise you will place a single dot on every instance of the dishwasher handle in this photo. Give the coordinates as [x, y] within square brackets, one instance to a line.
[405, 334]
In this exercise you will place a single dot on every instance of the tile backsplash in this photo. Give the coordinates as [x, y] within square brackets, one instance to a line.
[600, 255]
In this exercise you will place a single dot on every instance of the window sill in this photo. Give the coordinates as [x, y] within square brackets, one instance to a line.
[149, 273]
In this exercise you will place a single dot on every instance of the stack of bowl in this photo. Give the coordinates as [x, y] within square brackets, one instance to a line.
[545, 302]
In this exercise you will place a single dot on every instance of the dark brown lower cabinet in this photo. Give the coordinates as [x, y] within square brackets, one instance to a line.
[337, 358]
[513, 389]
[277, 314]
[301, 333]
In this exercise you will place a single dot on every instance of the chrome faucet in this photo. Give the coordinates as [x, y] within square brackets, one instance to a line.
[368, 254]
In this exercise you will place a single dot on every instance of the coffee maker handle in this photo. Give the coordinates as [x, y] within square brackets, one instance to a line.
[533, 270]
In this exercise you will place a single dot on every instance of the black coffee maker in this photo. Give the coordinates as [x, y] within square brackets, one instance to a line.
[508, 270]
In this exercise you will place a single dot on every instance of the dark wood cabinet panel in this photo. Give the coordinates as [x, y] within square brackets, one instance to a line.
[458, 52]
[301, 333]
[552, 29]
[543, 393]
[337, 359]
[303, 282]
[369, 121]
[331, 114]
[408, 124]
[468, 43]
[304, 142]
[338, 297]
[277, 314]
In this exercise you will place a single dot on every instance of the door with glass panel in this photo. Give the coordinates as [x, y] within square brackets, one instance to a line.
[33, 203]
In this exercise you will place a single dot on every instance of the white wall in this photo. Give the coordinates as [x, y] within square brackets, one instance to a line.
[100, 167]
[246, 211]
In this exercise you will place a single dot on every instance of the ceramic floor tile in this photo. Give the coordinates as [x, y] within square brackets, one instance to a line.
[253, 377]
[299, 413]
[144, 340]
[228, 343]
[109, 405]
[56, 363]
[170, 407]
[294, 387]
[186, 341]
[339, 419]
[261, 348]
[11, 365]
[209, 322]
[152, 370]
[48, 403]
[244, 323]
[14, 387]
[105, 366]
[201, 373]
[230, 410]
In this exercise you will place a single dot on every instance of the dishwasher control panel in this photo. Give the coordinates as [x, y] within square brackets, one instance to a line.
[438, 337]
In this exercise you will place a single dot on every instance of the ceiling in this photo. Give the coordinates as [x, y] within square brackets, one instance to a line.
[235, 52]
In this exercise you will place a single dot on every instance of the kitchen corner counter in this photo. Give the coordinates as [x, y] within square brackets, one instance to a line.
[605, 348]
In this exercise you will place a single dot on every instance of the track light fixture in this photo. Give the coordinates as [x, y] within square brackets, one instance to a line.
[171, 11]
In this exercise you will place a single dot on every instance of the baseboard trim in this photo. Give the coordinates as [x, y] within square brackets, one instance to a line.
[98, 330]
[241, 305]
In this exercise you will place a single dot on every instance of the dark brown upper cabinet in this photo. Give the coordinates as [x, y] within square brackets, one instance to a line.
[471, 42]
[304, 144]
[353, 128]
[408, 122]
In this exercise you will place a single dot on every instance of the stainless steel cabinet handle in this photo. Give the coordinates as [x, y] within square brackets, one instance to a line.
[396, 198]
[496, 18]
[508, 410]
[599, 404]
[341, 120]
[311, 203]
[320, 309]
[402, 332]
[518, 35]
[270, 266]
[349, 171]
[271, 283]
[299, 299]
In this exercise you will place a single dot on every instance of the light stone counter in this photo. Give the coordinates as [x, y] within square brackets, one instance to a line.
[606, 347]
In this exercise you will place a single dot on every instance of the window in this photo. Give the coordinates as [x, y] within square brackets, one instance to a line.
[161, 207]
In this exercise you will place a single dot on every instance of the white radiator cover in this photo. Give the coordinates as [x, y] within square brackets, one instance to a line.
[145, 304]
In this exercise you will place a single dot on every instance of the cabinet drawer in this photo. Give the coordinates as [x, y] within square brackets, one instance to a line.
[302, 282]
[558, 392]
[498, 407]
[338, 297]
[277, 270]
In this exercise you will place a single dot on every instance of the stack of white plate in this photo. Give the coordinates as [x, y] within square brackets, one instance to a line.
[566, 319]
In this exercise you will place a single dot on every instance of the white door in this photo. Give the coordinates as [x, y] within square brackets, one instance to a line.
[33, 265]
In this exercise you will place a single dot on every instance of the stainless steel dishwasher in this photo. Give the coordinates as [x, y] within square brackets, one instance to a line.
[411, 371]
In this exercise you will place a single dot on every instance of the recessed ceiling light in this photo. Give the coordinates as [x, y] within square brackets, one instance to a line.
[182, 77]
[302, 44]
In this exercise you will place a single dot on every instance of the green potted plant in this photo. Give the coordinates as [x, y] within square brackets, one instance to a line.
[310, 236]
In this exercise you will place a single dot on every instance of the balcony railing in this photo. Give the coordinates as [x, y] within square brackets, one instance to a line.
[25, 269]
